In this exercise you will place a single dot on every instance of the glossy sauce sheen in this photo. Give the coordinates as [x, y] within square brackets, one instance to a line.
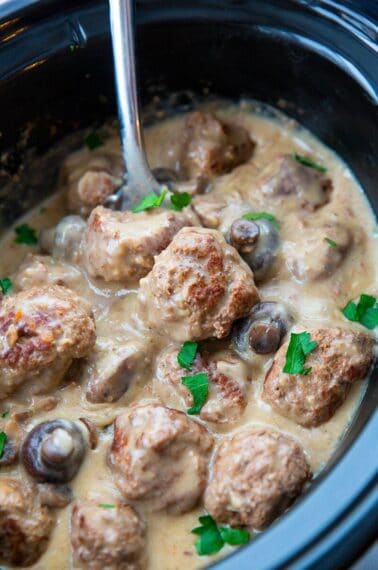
[316, 304]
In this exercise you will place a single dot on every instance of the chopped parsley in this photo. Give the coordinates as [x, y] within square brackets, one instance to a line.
[26, 234]
[180, 200]
[300, 346]
[198, 384]
[187, 354]
[213, 538]
[150, 201]
[331, 242]
[5, 414]
[265, 215]
[106, 506]
[3, 441]
[307, 161]
[5, 285]
[364, 312]
[93, 140]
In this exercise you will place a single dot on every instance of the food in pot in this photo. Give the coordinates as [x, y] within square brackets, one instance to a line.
[174, 377]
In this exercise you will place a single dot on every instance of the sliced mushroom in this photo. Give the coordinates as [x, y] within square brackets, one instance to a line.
[54, 496]
[263, 330]
[257, 242]
[54, 450]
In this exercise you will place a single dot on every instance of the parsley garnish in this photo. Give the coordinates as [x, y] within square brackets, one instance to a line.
[5, 414]
[212, 539]
[307, 161]
[187, 354]
[259, 215]
[198, 384]
[331, 242]
[26, 234]
[3, 441]
[5, 285]
[150, 201]
[93, 140]
[180, 200]
[106, 506]
[300, 346]
[365, 312]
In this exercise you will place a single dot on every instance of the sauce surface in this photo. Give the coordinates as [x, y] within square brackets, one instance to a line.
[315, 304]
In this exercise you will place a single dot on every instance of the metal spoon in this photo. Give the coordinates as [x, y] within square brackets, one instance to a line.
[140, 180]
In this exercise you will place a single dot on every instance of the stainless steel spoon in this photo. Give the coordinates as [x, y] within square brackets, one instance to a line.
[140, 180]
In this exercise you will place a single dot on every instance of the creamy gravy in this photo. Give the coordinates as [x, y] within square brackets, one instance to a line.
[170, 543]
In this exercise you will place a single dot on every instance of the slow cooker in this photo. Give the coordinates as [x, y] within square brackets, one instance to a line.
[317, 57]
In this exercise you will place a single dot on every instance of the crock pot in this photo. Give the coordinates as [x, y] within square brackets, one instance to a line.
[316, 58]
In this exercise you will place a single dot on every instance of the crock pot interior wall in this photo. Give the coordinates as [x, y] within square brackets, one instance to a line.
[266, 50]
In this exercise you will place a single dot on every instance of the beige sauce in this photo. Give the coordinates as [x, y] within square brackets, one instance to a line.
[170, 543]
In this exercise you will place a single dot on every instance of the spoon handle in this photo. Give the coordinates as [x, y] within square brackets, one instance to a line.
[139, 178]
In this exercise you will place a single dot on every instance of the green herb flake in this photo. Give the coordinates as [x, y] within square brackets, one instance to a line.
[180, 200]
[106, 506]
[187, 354]
[5, 414]
[307, 161]
[265, 215]
[300, 346]
[364, 312]
[3, 441]
[212, 539]
[93, 140]
[198, 384]
[331, 242]
[150, 201]
[5, 285]
[26, 234]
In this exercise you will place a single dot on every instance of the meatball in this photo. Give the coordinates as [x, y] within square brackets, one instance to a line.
[41, 331]
[160, 456]
[112, 367]
[198, 286]
[341, 358]
[212, 147]
[121, 246]
[314, 257]
[25, 525]
[91, 190]
[228, 382]
[292, 185]
[39, 270]
[111, 538]
[256, 476]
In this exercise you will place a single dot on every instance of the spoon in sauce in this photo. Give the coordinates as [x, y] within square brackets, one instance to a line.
[139, 180]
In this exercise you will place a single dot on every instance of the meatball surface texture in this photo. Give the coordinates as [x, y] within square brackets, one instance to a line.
[42, 330]
[342, 357]
[160, 456]
[25, 525]
[198, 287]
[107, 538]
[256, 476]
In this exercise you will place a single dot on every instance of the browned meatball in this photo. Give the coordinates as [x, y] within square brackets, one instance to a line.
[91, 190]
[212, 147]
[228, 383]
[25, 525]
[313, 257]
[341, 358]
[293, 185]
[121, 246]
[107, 537]
[198, 286]
[256, 476]
[41, 331]
[160, 456]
